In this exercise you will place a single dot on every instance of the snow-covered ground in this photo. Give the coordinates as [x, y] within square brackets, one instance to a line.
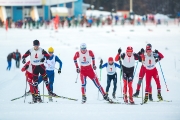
[104, 44]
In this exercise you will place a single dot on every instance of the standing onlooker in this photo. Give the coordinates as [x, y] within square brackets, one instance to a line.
[17, 58]
[9, 58]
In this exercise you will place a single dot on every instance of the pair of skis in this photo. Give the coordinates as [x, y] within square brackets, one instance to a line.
[47, 96]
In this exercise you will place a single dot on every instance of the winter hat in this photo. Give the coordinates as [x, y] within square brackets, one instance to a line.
[50, 50]
[129, 49]
[36, 43]
[110, 59]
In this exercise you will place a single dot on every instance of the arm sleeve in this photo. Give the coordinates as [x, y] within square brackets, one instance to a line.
[92, 55]
[45, 54]
[117, 65]
[117, 57]
[59, 61]
[161, 56]
[24, 67]
[76, 56]
[26, 54]
[104, 65]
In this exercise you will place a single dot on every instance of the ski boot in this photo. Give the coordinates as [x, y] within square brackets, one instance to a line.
[136, 94]
[84, 99]
[38, 98]
[34, 98]
[114, 95]
[125, 98]
[160, 97]
[131, 100]
[50, 99]
[146, 99]
[107, 98]
[150, 97]
[51, 94]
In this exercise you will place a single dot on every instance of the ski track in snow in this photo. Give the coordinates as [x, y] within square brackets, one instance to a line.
[104, 44]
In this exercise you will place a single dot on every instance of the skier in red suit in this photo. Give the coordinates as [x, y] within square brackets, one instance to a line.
[150, 59]
[86, 70]
[29, 77]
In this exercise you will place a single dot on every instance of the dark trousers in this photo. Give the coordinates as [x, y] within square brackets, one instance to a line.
[36, 70]
[109, 78]
[17, 63]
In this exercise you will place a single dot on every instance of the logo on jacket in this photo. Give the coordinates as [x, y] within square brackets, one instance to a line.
[87, 62]
[36, 61]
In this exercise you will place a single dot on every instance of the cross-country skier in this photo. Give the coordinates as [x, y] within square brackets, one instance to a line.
[37, 55]
[141, 76]
[111, 74]
[128, 69]
[29, 77]
[50, 66]
[150, 60]
[9, 60]
[86, 70]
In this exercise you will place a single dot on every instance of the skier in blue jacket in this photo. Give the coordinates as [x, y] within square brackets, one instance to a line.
[111, 74]
[50, 66]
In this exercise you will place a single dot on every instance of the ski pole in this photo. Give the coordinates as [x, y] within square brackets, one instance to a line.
[142, 82]
[120, 62]
[99, 80]
[25, 90]
[120, 81]
[163, 76]
[76, 78]
[135, 70]
[43, 90]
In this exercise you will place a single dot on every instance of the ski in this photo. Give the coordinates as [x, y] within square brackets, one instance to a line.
[162, 101]
[18, 98]
[133, 97]
[60, 97]
[121, 103]
[27, 94]
[36, 102]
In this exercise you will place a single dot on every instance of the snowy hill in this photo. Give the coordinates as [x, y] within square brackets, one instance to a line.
[104, 44]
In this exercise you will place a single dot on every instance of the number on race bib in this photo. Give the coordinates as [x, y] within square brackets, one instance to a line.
[149, 61]
[84, 58]
[36, 56]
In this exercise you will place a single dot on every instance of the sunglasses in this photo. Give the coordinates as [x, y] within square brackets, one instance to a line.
[149, 50]
[50, 52]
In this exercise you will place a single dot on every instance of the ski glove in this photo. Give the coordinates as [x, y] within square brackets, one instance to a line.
[78, 70]
[23, 60]
[157, 60]
[142, 50]
[59, 71]
[119, 51]
[94, 67]
[101, 61]
[42, 60]
[156, 51]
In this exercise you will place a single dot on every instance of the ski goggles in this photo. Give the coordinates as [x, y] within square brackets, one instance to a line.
[50, 52]
[83, 48]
